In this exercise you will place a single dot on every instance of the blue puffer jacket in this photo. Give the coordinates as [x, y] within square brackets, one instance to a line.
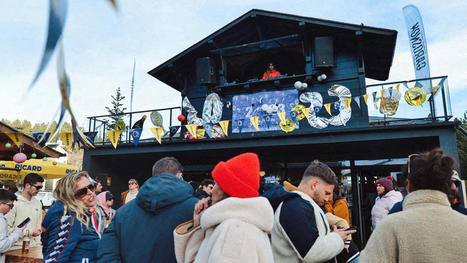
[65, 239]
[142, 229]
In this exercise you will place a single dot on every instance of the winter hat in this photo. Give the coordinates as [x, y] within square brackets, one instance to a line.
[108, 196]
[386, 183]
[239, 176]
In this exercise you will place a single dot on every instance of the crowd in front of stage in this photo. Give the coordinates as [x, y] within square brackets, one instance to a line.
[227, 219]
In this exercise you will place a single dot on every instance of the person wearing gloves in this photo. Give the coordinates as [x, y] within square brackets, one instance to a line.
[7, 241]
[234, 227]
[386, 199]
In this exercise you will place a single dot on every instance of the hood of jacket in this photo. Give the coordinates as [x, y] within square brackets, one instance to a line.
[394, 194]
[276, 194]
[161, 191]
[256, 211]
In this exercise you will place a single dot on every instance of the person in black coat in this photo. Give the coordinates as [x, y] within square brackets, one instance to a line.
[205, 189]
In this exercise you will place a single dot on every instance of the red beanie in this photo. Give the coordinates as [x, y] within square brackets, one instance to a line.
[239, 176]
[385, 182]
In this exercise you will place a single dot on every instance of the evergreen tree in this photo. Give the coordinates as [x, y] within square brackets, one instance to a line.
[461, 139]
[116, 110]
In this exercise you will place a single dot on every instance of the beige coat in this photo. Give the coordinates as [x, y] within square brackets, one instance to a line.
[23, 209]
[233, 230]
[427, 230]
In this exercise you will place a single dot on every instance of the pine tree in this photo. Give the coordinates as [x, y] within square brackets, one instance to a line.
[117, 109]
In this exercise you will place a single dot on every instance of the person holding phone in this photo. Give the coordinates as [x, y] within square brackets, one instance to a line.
[7, 241]
[72, 227]
[28, 206]
[232, 224]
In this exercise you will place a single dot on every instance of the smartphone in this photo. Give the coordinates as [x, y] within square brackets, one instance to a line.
[351, 228]
[24, 222]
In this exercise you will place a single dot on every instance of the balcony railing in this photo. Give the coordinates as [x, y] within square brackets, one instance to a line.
[409, 105]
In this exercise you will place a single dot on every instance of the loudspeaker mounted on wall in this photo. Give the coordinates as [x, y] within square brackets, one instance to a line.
[324, 52]
[205, 71]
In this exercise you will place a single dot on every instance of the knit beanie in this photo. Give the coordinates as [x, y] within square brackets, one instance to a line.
[239, 176]
[386, 183]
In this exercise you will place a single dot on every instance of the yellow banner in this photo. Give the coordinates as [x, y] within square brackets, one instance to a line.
[192, 129]
[382, 93]
[225, 127]
[254, 121]
[307, 113]
[114, 136]
[347, 103]
[15, 137]
[328, 108]
[366, 98]
[157, 131]
[281, 116]
[49, 169]
[67, 139]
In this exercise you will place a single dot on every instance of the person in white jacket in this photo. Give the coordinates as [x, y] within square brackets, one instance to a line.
[234, 227]
[7, 241]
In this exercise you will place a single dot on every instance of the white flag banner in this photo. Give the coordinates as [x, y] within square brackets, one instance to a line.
[418, 46]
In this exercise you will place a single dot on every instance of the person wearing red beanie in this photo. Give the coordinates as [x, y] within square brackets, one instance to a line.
[233, 227]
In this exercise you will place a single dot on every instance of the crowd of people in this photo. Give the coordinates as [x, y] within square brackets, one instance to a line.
[226, 219]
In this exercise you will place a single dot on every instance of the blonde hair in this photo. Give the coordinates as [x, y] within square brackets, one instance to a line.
[65, 192]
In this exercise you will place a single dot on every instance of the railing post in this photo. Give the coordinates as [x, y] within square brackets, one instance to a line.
[128, 128]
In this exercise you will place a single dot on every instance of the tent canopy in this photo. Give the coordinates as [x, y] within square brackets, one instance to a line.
[10, 170]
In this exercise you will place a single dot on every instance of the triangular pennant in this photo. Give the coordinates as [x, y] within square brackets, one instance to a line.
[136, 134]
[67, 139]
[267, 119]
[114, 136]
[306, 111]
[328, 108]
[192, 129]
[225, 127]
[239, 124]
[15, 137]
[366, 98]
[208, 128]
[347, 103]
[357, 100]
[382, 93]
[390, 91]
[173, 130]
[337, 104]
[397, 87]
[157, 132]
[374, 95]
[41, 137]
[293, 115]
[255, 121]
[281, 116]
[316, 109]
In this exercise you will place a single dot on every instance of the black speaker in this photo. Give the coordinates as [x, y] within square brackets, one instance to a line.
[324, 52]
[205, 71]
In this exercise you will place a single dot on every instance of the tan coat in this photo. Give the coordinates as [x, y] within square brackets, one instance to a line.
[427, 230]
[233, 230]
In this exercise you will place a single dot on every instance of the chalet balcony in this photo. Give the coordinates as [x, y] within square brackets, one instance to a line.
[391, 104]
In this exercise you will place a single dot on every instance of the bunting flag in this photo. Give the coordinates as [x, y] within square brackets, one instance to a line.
[366, 98]
[173, 130]
[41, 137]
[255, 121]
[225, 127]
[336, 105]
[67, 139]
[208, 128]
[15, 137]
[90, 136]
[317, 110]
[390, 91]
[267, 119]
[382, 93]
[239, 125]
[136, 134]
[157, 132]
[328, 108]
[114, 136]
[357, 100]
[307, 113]
[192, 129]
[347, 103]
[281, 116]
[293, 115]
[397, 87]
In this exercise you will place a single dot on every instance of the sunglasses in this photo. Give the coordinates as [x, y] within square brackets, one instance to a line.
[38, 187]
[10, 205]
[408, 161]
[131, 183]
[84, 191]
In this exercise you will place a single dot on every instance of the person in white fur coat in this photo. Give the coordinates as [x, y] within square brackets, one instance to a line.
[234, 228]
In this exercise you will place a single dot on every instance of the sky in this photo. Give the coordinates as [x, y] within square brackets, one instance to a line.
[101, 44]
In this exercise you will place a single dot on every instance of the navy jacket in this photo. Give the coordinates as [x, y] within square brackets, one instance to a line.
[65, 239]
[142, 229]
